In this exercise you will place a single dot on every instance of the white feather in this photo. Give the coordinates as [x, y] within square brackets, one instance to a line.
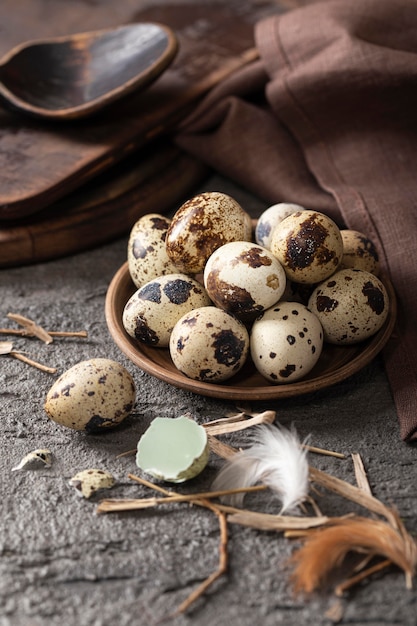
[276, 459]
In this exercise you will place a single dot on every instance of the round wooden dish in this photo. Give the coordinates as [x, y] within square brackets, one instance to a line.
[335, 364]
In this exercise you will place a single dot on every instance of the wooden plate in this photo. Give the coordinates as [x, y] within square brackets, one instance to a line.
[335, 364]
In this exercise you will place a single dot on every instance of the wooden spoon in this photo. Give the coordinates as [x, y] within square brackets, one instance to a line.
[74, 76]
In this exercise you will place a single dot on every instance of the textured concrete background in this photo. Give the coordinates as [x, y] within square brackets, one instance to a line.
[61, 563]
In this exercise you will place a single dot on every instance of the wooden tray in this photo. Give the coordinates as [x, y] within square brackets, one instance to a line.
[42, 161]
[156, 180]
[335, 363]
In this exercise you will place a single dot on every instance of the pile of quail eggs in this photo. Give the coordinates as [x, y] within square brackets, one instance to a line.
[216, 292]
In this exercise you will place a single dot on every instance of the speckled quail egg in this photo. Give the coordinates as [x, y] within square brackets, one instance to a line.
[244, 278]
[309, 246]
[203, 224]
[152, 311]
[146, 251]
[270, 218]
[92, 395]
[88, 482]
[286, 342]
[209, 344]
[359, 252]
[352, 305]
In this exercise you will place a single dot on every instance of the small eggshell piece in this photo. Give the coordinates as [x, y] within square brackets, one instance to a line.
[146, 251]
[309, 246]
[352, 305]
[286, 342]
[89, 481]
[173, 449]
[93, 395]
[244, 278]
[203, 224]
[153, 310]
[270, 218]
[359, 252]
[37, 459]
[209, 344]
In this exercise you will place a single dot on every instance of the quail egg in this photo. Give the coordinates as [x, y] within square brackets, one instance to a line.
[92, 395]
[244, 278]
[209, 344]
[152, 311]
[351, 305]
[146, 251]
[203, 224]
[286, 342]
[309, 246]
[270, 218]
[359, 252]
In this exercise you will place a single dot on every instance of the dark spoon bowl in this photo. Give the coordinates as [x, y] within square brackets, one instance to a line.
[74, 76]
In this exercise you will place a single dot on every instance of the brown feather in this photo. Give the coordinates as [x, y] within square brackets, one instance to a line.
[325, 549]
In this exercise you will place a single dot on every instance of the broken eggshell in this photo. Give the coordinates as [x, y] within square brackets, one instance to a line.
[173, 449]
[37, 459]
[89, 481]
[92, 395]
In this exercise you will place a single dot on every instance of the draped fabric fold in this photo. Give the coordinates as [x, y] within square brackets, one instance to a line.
[327, 118]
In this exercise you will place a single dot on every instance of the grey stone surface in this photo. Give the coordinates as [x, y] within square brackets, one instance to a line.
[61, 563]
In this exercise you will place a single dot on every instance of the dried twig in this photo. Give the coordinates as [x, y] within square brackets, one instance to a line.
[31, 327]
[6, 348]
[358, 578]
[360, 474]
[219, 427]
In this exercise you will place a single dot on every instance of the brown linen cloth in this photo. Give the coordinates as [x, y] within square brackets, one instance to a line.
[327, 118]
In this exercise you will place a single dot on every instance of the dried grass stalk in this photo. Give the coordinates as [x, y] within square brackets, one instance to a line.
[219, 427]
[357, 534]
[360, 473]
[280, 523]
[31, 327]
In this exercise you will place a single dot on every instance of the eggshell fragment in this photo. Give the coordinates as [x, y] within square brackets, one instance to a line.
[359, 252]
[270, 218]
[92, 395]
[203, 224]
[89, 481]
[209, 344]
[37, 459]
[286, 342]
[309, 246]
[173, 449]
[244, 278]
[146, 251]
[153, 310]
[351, 305]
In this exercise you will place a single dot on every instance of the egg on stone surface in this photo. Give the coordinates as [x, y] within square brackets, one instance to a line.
[286, 342]
[93, 395]
[351, 305]
[309, 246]
[153, 310]
[270, 218]
[209, 344]
[146, 251]
[359, 252]
[244, 278]
[203, 224]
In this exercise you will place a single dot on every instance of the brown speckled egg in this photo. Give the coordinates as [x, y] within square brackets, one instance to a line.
[270, 218]
[309, 246]
[152, 311]
[92, 395]
[244, 278]
[146, 251]
[359, 252]
[203, 224]
[351, 305]
[286, 342]
[209, 344]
